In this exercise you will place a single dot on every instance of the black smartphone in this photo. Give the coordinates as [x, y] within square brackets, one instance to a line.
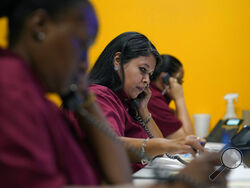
[71, 100]
[135, 103]
[165, 78]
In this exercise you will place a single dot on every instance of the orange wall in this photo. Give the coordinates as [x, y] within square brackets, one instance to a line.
[210, 37]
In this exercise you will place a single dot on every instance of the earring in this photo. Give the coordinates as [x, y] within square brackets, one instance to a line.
[115, 68]
[41, 36]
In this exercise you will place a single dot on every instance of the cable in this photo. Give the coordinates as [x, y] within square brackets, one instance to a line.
[175, 157]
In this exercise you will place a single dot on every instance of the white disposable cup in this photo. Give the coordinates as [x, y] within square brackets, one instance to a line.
[201, 124]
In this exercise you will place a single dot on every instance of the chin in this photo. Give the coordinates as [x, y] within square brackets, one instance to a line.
[136, 95]
[132, 96]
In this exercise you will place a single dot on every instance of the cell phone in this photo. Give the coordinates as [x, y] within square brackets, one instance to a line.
[165, 78]
[71, 99]
[135, 103]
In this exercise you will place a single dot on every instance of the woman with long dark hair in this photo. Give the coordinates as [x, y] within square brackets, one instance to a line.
[120, 80]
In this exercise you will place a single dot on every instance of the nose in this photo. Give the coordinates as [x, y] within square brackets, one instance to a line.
[146, 79]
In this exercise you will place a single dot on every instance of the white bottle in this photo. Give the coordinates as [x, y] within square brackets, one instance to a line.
[230, 105]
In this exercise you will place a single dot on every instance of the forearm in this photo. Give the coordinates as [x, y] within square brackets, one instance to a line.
[111, 155]
[183, 116]
[153, 147]
[177, 134]
[154, 129]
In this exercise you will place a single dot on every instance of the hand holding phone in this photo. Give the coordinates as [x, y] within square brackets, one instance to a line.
[174, 90]
[138, 106]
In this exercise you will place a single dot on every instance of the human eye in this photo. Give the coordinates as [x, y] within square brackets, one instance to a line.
[143, 70]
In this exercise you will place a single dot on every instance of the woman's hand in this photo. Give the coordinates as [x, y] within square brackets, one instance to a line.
[189, 144]
[143, 108]
[196, 143]
[174, 90]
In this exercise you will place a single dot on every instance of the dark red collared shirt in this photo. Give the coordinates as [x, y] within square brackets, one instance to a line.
[163, 116]
[40, 145]
[115, 107]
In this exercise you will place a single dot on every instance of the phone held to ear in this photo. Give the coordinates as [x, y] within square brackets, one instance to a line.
[71, 99]
[165, 78]
[133, 110]
[135, 103]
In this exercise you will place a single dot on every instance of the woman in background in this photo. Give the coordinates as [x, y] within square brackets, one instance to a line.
[172, 124]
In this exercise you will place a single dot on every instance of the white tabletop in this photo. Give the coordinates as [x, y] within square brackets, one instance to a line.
[237, 178]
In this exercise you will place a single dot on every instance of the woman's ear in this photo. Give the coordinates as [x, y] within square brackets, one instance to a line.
[117, 61]
[38, 25]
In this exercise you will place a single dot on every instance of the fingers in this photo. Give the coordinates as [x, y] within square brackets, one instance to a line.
[202, 141]
[188, 149]
[148, 93]
[182, 148]
[194, 143]
[172, 80]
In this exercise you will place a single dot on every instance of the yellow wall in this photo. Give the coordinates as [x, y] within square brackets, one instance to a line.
[210, 37]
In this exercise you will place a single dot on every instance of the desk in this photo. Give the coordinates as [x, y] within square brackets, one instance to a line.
[237, 178]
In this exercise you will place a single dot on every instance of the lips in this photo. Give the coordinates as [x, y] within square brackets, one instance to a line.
[140, 89]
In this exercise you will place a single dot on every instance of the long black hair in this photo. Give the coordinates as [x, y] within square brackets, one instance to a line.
[169, 64]
[18, 10]
[131, 45]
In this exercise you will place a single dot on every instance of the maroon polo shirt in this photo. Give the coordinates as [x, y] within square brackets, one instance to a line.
[40, 145]
[163, 116]
[115, 107]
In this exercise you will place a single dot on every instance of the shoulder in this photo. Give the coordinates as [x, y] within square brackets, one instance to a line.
[12, 68]
[104, 93]
[21, 93]
[111, 106]
[100, 89]
[16, 77]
